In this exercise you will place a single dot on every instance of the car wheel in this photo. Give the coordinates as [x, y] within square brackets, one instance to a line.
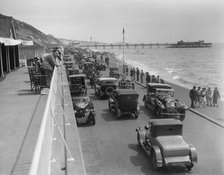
[154, 161]
[182, 117]
[189, 167]
[109, 90]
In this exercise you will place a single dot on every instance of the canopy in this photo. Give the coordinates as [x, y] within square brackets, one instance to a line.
[13, 42]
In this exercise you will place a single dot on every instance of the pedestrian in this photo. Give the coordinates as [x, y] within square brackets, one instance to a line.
[157, 79]
[209, 97]
[192, 96]
[141, 76]
[133, 70]
[137, 73]
[203, 97]
[216, 96]
[198, 97]
[48, 64]
[148, 78]
[126, 70]
[153, 79]
[131, 73]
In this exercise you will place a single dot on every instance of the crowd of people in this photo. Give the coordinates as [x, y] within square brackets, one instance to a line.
[138, 75]
[203, 97]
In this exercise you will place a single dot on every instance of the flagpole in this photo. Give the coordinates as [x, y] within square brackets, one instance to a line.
[123, 50]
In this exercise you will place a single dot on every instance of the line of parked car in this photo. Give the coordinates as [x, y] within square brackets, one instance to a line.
[161, 138]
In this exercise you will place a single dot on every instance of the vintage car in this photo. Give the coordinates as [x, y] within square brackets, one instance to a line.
[69, 64]
[84, 110]
[160, 99]
[114, 72]
[105, 86]
[124, 102]
[162, 140]
[77, 84]
[100, 66]
[88, 69]
[125, 83]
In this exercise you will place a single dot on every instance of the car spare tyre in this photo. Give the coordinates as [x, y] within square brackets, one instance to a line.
[109, 90]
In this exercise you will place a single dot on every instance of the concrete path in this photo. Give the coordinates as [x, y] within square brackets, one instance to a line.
[20, 118]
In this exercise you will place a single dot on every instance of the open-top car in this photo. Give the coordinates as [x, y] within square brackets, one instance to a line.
[162, 140]
[88, 69]
[114, 72]
[160, 99]
[125, 83]
[77, 84]
[105, 86]
[124, 102]
[84, 110]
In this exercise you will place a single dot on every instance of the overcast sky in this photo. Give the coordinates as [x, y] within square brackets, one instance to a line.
[148, 21]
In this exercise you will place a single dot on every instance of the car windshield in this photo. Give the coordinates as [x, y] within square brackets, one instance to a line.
[77, 80]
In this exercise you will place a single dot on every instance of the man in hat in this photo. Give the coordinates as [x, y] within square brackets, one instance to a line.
[48, 64]
[193, 95]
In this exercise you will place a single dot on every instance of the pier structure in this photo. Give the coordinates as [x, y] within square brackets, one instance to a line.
[180, 44]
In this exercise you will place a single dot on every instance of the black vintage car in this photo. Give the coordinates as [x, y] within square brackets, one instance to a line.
[125, 83]
[160, 99]
[84, 110]
[105, 86]
[114, 72]
[88, 69]
[124, 102]
[77, 84]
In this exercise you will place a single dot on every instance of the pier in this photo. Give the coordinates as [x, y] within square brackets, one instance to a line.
[180, 44]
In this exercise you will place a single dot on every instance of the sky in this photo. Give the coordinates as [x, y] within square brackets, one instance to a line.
[144, 21]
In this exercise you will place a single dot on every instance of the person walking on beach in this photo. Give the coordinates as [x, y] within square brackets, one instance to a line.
[48, 64]
[141, 76]
[209, 97]
[193, 95]
[216, 96]
[137, 73]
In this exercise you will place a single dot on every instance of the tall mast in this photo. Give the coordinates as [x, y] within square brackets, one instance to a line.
[123, 50]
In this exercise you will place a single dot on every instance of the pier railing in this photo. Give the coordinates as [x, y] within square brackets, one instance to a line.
[58, 140]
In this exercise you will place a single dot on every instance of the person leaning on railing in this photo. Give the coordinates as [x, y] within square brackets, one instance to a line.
[48, 64]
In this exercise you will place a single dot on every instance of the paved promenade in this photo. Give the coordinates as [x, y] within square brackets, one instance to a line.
[20, 118]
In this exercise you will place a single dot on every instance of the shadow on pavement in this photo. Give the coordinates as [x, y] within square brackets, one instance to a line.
[26, 92]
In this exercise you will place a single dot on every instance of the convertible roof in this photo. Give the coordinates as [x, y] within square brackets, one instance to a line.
[164, 122]
[77, 75]
[126, 92]
[159, 85]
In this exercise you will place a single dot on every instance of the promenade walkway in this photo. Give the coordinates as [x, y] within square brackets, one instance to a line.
[20, 119]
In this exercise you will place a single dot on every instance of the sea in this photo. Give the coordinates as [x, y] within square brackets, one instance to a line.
[186, 67]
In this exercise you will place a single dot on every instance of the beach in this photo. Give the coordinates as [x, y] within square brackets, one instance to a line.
[182, 94]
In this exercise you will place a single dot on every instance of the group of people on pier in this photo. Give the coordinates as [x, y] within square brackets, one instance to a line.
[203, 97]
